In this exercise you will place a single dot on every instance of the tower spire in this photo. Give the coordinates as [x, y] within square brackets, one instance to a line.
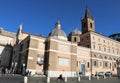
[87, 22]
[87, 14]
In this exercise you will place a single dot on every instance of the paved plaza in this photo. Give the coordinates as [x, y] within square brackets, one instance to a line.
[20, 79]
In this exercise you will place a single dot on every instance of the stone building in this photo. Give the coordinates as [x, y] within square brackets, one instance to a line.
[7, 41]
[85, 52]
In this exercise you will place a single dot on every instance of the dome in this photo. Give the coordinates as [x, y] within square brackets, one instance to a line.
[57, 33]
[76, 31]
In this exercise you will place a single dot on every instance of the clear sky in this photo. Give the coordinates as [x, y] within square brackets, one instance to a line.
[40, 16]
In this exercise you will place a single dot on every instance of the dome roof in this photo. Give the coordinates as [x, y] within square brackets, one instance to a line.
[76, 31]
[57, 33]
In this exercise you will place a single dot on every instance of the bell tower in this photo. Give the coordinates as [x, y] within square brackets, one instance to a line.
[87, 22]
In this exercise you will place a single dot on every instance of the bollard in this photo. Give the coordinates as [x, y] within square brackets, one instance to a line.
[89, 77]
[79, 78]
[25, 79]
[110, 76]
[104, 77]
[65, 79]
[48, 79]
[98, 77]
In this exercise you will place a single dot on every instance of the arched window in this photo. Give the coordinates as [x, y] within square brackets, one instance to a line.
[95, 56]
[100, 57]
[105, 57]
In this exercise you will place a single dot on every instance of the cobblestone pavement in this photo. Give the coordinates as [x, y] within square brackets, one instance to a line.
[11, 79]
[20, 79]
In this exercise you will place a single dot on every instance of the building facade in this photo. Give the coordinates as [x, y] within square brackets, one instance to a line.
[85, 52]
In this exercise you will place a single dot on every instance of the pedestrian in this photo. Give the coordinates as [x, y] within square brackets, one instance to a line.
[60, 79]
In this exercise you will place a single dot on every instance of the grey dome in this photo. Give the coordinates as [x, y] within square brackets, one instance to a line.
[57, 33]
[76, 31]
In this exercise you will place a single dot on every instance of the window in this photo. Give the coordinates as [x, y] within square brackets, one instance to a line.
[113, 50]
[108, 49]
[110, 58]
[105, 57]
[115, 65]
[106, 64]
[103, 41]
[74, 39]
[95, 63]
[114, 59]
[84, 24]
[104, 49]
[91, 25]
[99, 47]
[77, 63]
[110, 65]
[93, 46]
[100, 63]
[87, 38]
[95, 56]
[100, 57]
[88, 64]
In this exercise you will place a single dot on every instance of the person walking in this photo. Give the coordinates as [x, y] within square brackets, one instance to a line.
[60, 79]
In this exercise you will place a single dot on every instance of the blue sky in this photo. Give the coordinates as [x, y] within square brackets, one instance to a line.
[40, 16]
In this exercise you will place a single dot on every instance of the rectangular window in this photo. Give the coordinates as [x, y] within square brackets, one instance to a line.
[87, 38]
[113, 50]
[93, 46]
[95, 63]
[99, 47]
[100, 64]
[103, 41]
[104, 49]
[106, 64]
[110, 65]
[84, 24]
[88, 64]
[108, 49]
[115, 65]
[91, 25]
[74, 39]
[77, 63]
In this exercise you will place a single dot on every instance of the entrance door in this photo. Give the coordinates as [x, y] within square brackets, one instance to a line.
[83, 69]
